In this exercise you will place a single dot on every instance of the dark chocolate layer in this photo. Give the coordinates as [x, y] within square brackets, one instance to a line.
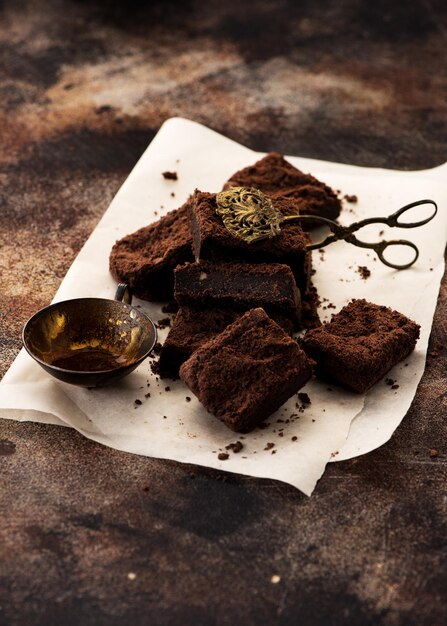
[241, 286]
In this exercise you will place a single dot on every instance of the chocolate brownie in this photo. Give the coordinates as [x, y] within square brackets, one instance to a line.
[146, 259]
[280, 179]
[212, 241]
[360, 344]
[247, 372]
[192, 328]
[240, 286]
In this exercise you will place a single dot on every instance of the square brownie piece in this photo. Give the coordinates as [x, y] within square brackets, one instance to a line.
[212, 241]
[146, 259]
[278, 178]
[241, 286]
[192, 327]
[247, 372]
[360, 344]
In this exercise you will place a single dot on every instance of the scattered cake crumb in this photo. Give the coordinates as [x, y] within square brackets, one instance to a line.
[170, 175]
[168, 388]
[350, 198]
[155, 367]
[269, 446]
[364, 271]
[223, 456]
[235, 447]
[304, 398]
[172, 194]
[164, 323]
[188, 399]
[137, 401]
[294, 438]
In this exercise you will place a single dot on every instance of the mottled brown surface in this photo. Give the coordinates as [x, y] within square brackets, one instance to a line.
[84, 86]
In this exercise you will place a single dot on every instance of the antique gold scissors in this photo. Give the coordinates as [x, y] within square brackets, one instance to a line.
[251, 215]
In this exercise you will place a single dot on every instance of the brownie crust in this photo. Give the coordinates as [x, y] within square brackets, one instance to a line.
[360, 344]
[246, 372]
[146, 259]
[278, 178]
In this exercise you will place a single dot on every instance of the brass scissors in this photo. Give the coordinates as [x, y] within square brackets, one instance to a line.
[346, 233]
[250, 215]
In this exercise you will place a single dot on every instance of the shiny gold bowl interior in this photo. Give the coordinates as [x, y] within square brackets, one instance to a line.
[107, 334]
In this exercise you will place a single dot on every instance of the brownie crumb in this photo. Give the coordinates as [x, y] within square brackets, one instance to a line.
[235, 447]
[294, 438]
[364, 271]
[390, 381]
[137, 401]
[170, 175]
[172, 194]
[168, 388]
[164, 323]
[394, 386]
[188, 399]
[433, 453]
[269, 446]
[304, 398]
[171, 307]
[350, 198]
[147, 395]
[223, 456]
[155, 367]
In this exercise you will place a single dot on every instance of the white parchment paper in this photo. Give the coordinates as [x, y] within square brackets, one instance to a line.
[337, 424]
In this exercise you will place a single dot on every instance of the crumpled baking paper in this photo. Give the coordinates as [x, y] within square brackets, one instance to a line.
[337, 424]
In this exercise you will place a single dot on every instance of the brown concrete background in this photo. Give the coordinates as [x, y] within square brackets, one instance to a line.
[84, 86]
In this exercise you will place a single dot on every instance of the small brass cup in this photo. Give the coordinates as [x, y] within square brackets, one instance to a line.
[90, 342]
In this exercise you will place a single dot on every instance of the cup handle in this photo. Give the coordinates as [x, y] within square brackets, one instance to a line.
[123, 294]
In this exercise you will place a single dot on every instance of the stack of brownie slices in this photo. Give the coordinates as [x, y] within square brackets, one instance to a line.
[239, 304]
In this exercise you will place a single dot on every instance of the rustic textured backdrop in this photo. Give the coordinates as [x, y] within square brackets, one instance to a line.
[92, 536]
